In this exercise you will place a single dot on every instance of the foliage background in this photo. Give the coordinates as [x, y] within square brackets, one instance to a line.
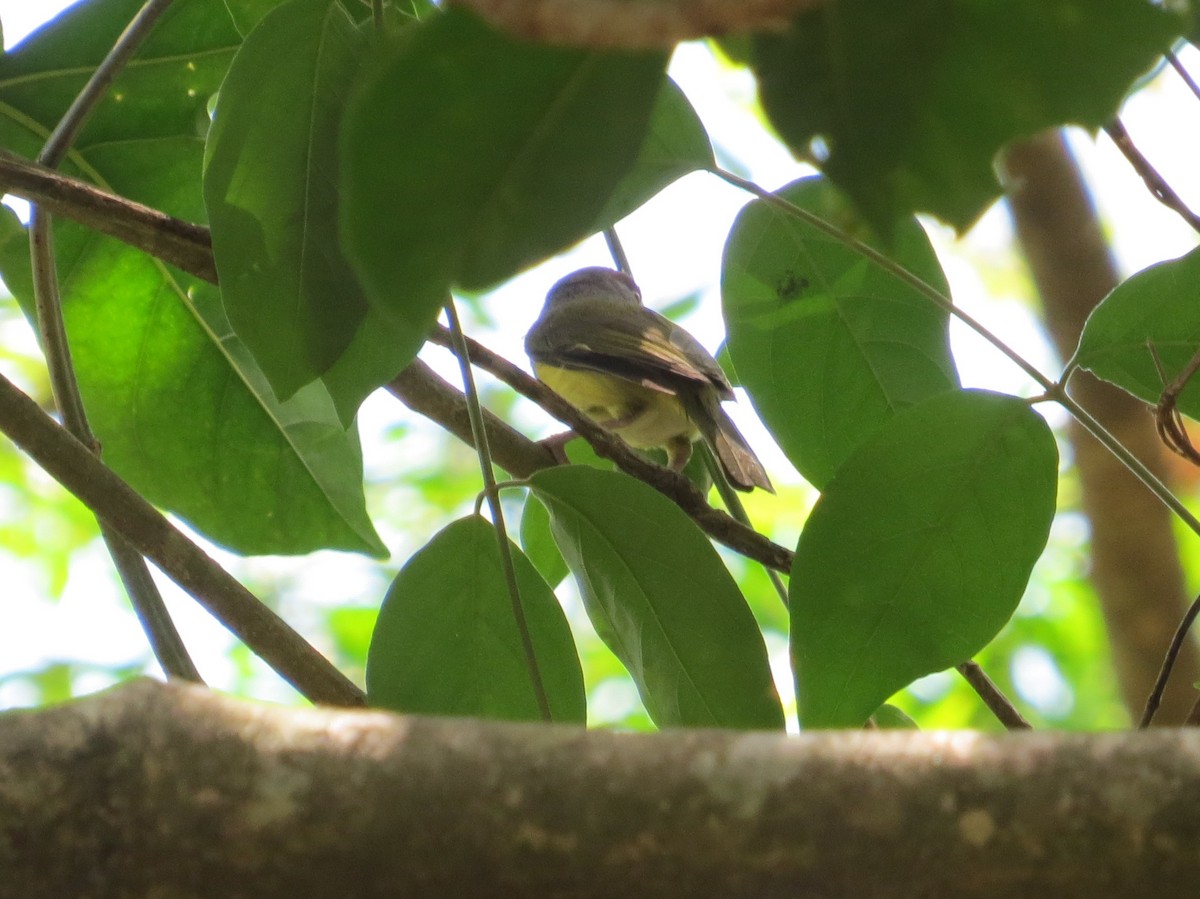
[68, 631]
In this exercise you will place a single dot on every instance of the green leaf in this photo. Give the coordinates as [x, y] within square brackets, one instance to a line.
[446, 641]
[660, 597]
[538, 542]
[918, 551]
[180, 409]
[468, 155]
[162, 91]
[912, 101]
[888, 717]
[270, 185]
[248, 13]
[675, 145]
[1153, 313]
[828, 344]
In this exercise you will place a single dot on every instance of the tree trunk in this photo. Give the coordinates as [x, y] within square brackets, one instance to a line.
[171, 790]
[1135, 563]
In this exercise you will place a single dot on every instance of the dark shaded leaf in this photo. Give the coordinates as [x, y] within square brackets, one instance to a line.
[270, 186]
[660, 597]
[446, 642]
[468, 155]
[912, 100]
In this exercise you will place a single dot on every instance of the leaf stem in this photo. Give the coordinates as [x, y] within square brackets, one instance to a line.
[999, 704]
[617, 251]
[479, 434]
[164, 638]
[1160, 685]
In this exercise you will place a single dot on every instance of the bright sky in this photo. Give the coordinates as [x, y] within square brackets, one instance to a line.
[675, 245]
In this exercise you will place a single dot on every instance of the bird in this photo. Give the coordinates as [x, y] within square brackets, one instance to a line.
[637, 373]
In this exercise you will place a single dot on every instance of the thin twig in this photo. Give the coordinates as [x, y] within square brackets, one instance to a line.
[124, 509]
[1164, 674]
[164, 638]
[423, 391]
[479, 433]
[1155, 183]
[1183, 73]
[999, 704]
[1193, 718]
[1167, 418]
[81, 108]
[617, 251]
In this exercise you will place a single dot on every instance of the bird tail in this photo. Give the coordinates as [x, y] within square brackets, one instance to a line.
[741, 466]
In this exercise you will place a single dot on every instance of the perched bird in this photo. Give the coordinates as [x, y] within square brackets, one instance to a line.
[636, 373]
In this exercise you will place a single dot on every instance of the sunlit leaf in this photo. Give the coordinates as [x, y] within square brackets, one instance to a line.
[660, 597]
[918, 551]
[180, 409]
[184, 415]
[1142, 334]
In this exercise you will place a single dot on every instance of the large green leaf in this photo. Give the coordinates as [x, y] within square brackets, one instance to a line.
[675, 145]
[660, 597]
[179, 408]
[256, 476]
[270, 185]
[468, 155]
[918, 551]
[912, 99]
[446, 641]
[1142, 334]
[828, 344]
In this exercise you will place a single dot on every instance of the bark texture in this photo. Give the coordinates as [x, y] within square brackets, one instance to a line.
[1135, 562]
[171, 790]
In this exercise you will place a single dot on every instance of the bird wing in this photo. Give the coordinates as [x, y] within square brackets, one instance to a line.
[645, 348]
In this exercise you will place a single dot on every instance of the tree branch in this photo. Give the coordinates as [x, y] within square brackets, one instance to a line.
[421, 389]
[152, 789]
[121, 507]
[143, 593]
[1135, 564]
[182, 244]
[1158, 186]
[644, 25]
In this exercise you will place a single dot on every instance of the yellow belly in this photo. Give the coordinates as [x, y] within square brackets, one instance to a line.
[642, 417]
